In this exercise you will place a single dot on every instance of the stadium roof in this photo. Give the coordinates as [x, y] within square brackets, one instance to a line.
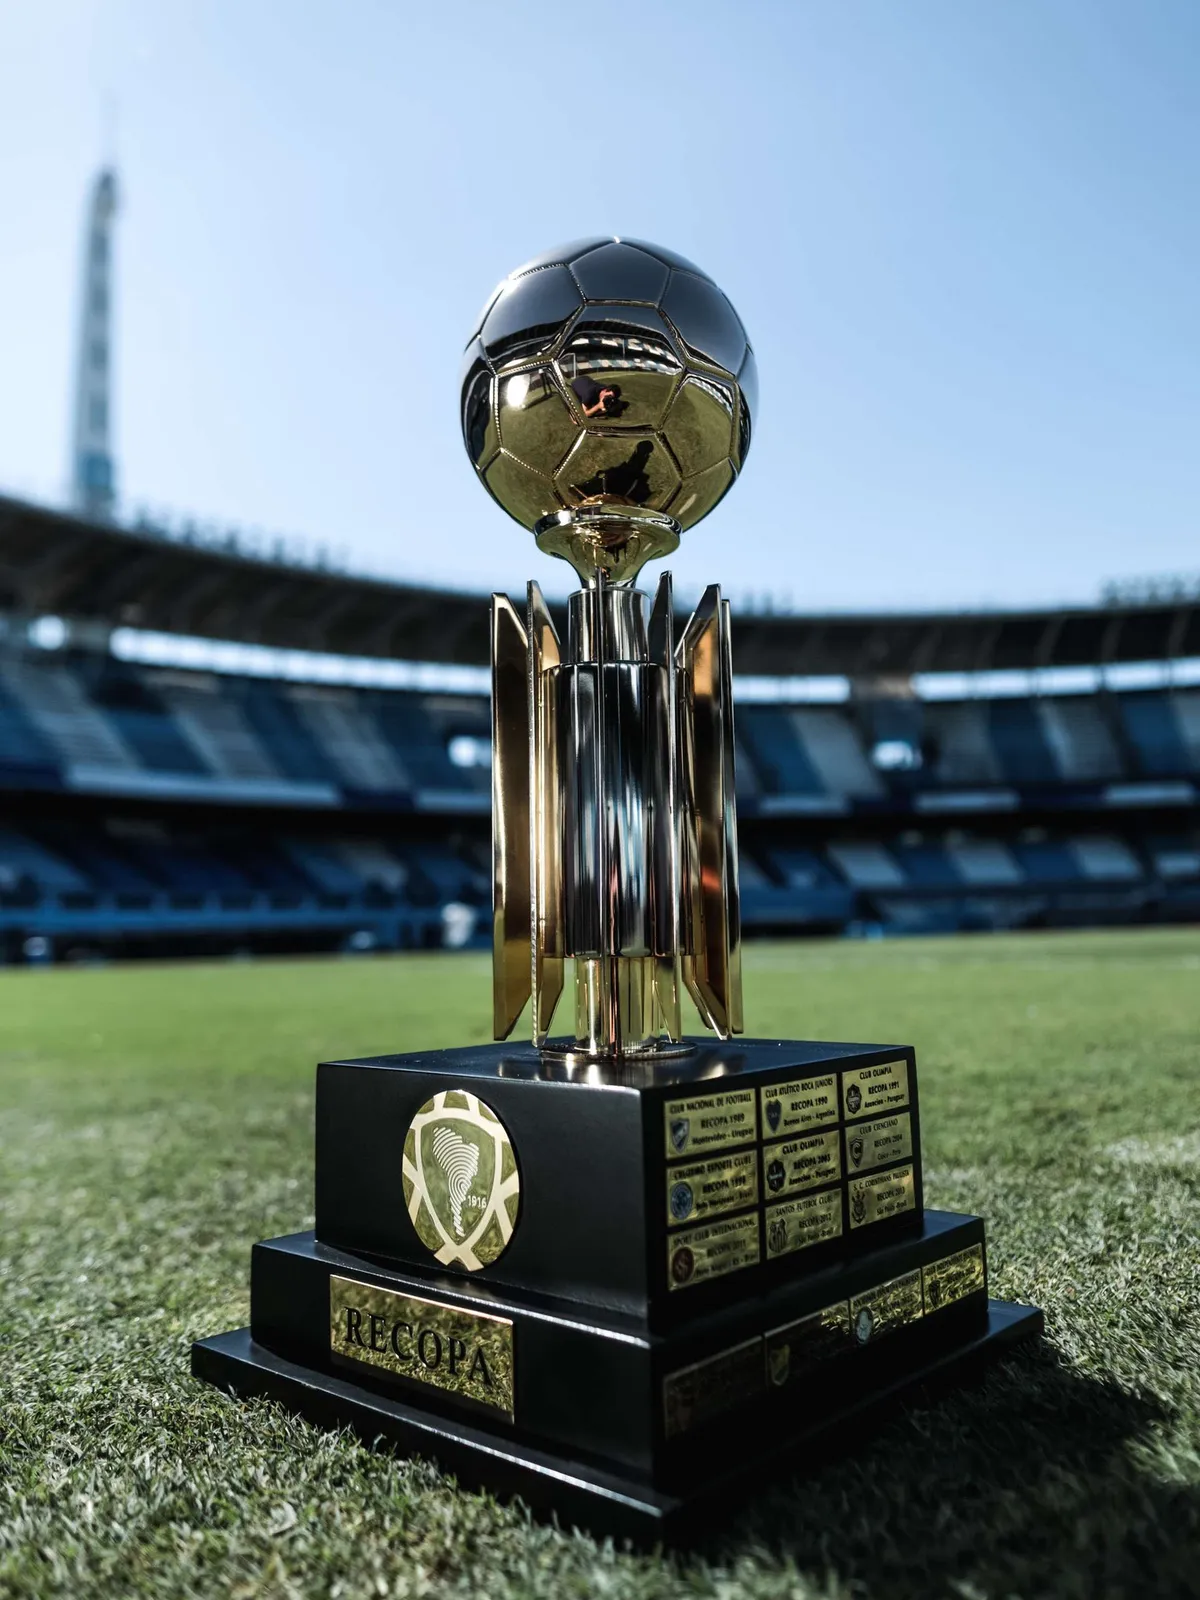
[57, 564]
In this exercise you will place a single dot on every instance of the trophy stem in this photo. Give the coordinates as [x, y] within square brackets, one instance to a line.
[613, 820]
[614, 998]
[608, 538]
[615, 748]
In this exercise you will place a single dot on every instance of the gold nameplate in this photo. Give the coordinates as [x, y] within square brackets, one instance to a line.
[465, 1353]
[874, 1144]
[886, 1308]
[794, 1350]
[805, 1103]
[798, 1164]
[810, 1218]
[954, 1278]
[710, 1122]
[696, 1394]
[881, 1195]
[710, 1188]
[868, 1090]
[712, 1251]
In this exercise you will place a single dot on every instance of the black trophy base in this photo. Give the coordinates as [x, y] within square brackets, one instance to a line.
[717, 1269]
[577, 1492]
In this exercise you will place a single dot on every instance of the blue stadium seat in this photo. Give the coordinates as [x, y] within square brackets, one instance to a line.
[1077, 730]
[1176, 856]
[1185, 704]
[1020, 743]
[290, 744]
[183, 867]
[143, 721]
[1153, 733]
[437, 875]
[23, 859]
[211, 718]
[1105, 858]
[340, 721]
[803, 868]
[52, 695]
[21, 745]
[1048, 862]
[421, 738]
[983, 863]
[102, 861]
[322, 866]
[927, 865]
[782, 763]
[866, 864]
[961, 753]
[266, 867]
[835, 752]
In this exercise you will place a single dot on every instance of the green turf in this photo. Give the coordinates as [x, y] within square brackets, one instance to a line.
[155, 1121]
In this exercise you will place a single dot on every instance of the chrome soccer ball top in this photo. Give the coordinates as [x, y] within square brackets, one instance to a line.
[608, 372]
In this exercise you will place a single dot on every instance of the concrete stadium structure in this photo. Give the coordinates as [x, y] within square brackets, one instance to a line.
[205, 748]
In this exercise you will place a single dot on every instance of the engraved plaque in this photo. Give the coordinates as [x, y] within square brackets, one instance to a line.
[797, 1164]
[710, 1122]
[794, 1350]
[869, 1090]
[954, 1277]
[696, 1394]
[810, 1218]
[884, 1309]
[794, 1107]
[710, 1188]
[875, 1144]
[712, 1251]
[465, 1353]
[881, 1195]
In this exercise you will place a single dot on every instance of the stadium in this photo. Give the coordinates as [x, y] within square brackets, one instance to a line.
[245, 826]
[323, 783]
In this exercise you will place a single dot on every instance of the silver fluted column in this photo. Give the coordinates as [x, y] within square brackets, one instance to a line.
[613, 818]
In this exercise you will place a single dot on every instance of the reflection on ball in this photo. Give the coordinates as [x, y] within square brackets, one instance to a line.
[608, 372]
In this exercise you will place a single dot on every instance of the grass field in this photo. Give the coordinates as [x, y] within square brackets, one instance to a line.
[155, 1121]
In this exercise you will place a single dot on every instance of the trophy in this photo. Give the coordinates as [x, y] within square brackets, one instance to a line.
[618, 1270]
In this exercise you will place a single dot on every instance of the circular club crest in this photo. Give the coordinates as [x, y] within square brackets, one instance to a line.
[461, 1183]
[682, 1201]
[683, 1264]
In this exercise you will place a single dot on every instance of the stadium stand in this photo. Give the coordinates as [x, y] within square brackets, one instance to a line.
[905, 774]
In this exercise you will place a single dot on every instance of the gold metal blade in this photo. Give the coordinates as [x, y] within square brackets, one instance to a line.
[545, 788]
[511, 921]
[711, 936]
[665, 840]
[733, 901]
[667, 984]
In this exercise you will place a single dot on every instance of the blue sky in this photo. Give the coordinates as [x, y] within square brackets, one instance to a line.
[965, 239]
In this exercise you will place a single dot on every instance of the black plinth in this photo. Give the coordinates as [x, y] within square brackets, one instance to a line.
[577, 1491]
[713, 1262]
[601, 1158]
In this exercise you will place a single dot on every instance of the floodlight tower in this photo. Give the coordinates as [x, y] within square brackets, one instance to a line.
[93, 482]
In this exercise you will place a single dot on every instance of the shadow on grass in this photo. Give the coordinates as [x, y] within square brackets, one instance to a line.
[1024, 1484]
